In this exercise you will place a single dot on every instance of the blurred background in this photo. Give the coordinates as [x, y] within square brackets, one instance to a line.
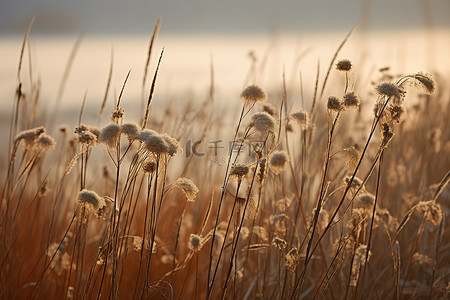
[283, 36]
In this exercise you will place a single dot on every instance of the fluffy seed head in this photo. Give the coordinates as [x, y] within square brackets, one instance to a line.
[351, 100]
[189, 189]
[87, 138]
[431, 211]
[195, 242]
[174, 145]
[45, 142]
[344, 65]
[91, 200]
[334, 104]
[131, 130]
[365, 201]
[145, 134]
[156, 144]
[386, 135]
[239, 170]
[253, 93]
[28, 137]
[301, 117]
[110, 135]
[390, 89]
[263, 122]
[352, 158]
[270, 109]
[278, 161]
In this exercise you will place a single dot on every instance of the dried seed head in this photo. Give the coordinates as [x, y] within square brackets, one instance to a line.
[427, 82]
[253, 93]
[390, 89]
[302, 118]
[263, 122]
[334, 104]
[386, 135]
[292, 258]
[396, 113]
[91, 200]
[189, 189]
[174, 145]
[359, 215]
[195, 242]
[358, 261]
[131, 130]
[431, 210]
[149, 165]
[365, 201]
[110, 135]
[344, 65]
[356, 183]
[117, 115]
[239, 170]
[44, 143]
[351, 100]
[87, 138]
[262, 170]
[156, 144]
[270, 109]
[279, 243]
[145, 134]
[29, 137]
[278, 161]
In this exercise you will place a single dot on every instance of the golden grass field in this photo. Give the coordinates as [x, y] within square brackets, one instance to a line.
[340, 195]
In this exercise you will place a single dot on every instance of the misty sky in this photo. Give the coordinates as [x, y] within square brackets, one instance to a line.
[219, 17]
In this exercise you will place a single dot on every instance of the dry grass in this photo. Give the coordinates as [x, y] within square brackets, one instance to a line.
[329, 205]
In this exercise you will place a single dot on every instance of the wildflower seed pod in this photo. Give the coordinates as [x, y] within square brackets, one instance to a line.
[239, 170]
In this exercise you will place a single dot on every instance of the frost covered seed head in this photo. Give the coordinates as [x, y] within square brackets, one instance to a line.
[110, 135]
[156, 144]
[131, 130]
